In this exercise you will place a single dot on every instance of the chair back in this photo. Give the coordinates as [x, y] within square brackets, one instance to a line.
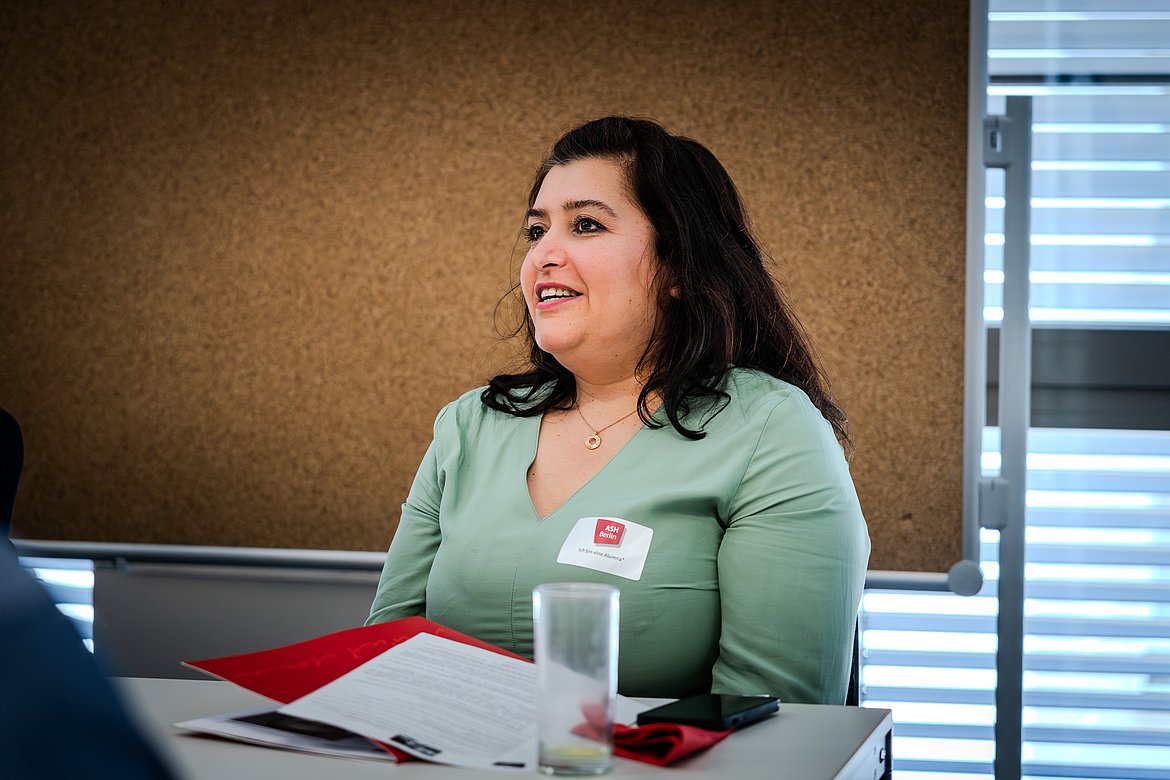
[11, 466]
[853, 695]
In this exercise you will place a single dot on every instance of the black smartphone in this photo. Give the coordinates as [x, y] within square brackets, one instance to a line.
[713, 711]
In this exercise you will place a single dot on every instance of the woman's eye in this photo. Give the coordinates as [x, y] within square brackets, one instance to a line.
[587, 225]
[533, 233]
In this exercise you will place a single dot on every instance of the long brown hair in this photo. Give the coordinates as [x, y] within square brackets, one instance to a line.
[718, 306]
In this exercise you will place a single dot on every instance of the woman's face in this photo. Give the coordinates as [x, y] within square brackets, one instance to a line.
[588, 275]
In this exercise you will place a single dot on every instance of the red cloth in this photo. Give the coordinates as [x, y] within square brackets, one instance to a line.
[662, 743]
[655, 743]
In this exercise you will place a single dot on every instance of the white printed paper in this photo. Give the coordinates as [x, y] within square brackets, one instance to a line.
[441, 700]
[266, 726]
[436, 699]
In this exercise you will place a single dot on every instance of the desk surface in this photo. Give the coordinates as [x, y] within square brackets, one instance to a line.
[803, 741]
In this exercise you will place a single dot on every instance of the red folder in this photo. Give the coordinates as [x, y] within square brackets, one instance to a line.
[287, 673]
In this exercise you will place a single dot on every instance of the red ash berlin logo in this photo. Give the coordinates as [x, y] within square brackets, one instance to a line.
[609, 532]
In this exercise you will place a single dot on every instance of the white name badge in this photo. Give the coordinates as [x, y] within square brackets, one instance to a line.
[608, 544]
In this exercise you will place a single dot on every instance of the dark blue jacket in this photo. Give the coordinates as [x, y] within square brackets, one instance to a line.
[59, 716]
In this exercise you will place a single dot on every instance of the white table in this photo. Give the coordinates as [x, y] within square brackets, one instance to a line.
[802, 741]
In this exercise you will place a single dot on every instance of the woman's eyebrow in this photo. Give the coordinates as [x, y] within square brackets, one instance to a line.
[573, 205]
[579, 205]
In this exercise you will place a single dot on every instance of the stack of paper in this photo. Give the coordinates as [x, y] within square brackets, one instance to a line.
[410, 686]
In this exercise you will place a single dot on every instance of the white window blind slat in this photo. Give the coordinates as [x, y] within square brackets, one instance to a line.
[1094, 62]
[1088, 258]
[1074, 6]
[1069, 34]
[1098, 184]
[1058, 218]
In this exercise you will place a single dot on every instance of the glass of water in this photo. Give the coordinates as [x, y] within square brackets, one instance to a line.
[576, 637]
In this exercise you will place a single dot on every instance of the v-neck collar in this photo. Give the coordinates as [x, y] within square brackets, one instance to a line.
[533, 442]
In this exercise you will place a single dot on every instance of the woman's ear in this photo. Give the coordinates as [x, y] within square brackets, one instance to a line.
[675, 292]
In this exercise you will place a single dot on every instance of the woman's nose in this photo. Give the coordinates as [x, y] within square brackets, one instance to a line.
[548, 253]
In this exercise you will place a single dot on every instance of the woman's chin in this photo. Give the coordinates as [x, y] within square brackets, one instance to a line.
[556, 345]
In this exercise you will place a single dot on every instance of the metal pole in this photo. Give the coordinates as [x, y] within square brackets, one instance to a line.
[965, 577]
[203, 555]
[1009, 146]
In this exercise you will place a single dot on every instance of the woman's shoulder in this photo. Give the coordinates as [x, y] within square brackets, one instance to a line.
[468, 412]
[466, 408]
[753, 392]
[785, 417]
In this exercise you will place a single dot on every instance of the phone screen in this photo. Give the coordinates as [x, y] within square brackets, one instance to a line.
[716, 711]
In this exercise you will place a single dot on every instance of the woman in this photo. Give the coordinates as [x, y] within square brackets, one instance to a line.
[672, 437]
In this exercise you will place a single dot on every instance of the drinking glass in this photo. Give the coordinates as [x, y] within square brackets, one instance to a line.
[576, 633]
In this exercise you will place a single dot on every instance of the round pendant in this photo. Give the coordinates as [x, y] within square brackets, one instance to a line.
[593, 442]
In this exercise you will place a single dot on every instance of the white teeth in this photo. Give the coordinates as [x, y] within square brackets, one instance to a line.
[548, 293]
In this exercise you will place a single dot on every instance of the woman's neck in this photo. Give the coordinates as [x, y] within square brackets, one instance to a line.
[608, 391]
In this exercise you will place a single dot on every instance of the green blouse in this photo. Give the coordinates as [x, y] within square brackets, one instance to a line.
[754, 571]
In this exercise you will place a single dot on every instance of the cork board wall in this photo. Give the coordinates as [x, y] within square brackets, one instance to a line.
[249, 249]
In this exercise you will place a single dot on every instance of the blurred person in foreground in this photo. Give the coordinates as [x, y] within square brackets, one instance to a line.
[59, 716]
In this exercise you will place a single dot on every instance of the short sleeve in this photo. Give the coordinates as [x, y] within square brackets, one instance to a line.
[791, 564]
[402, 587]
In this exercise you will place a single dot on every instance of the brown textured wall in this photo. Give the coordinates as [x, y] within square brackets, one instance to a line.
[250, 248]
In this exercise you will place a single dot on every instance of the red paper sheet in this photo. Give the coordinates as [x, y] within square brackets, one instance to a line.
[290, 672]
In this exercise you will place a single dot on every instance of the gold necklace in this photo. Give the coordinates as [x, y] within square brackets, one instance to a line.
[594, 441]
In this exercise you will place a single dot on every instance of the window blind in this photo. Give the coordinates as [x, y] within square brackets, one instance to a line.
[1100, 207]
[1097, 607]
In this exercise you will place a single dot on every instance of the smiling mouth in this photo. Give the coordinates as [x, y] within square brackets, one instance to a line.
[555, 293]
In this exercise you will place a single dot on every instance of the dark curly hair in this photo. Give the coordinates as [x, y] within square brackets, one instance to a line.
[718, 306]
